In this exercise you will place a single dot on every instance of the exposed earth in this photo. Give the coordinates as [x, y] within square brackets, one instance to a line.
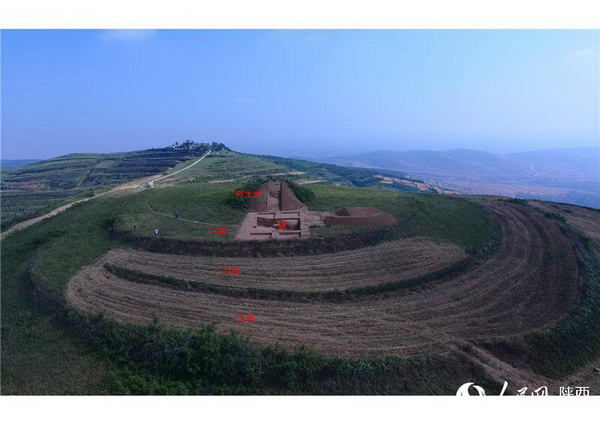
[530, 283]
[278, 214]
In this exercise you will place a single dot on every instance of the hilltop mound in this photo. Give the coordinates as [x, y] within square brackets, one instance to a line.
[275, 196]
[515, 291]
[360, 216]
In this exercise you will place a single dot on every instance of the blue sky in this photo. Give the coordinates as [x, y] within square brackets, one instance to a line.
[307, 93]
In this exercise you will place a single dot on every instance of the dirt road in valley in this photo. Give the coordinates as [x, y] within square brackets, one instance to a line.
[529, 284]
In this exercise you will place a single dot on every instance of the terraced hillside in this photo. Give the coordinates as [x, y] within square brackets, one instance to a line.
[228, 166]
[35, 188]
[458, 289]
[32, 190]
[522, 288]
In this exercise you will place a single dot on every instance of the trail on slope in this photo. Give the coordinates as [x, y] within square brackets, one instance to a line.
[127, 186]
[151, 183]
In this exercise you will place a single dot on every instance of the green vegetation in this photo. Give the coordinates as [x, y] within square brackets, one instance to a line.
[303, 193]
[201, 207]
[228, 165]
[34, 189]
[557, 216]
[21, 206]
[558, 351]
[155, 360]
[29, 190]
[61, 351]
[445, 218]
[39, 357]
[250, 185]
[515, 200]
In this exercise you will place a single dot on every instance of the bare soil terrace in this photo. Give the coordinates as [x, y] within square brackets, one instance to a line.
[585, 220]
[384, 263]
[530, 283]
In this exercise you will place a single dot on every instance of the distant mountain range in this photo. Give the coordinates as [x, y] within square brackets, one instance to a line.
[570, 175]
[13, 163]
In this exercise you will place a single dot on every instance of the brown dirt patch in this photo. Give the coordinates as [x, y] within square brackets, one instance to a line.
[384, 263]
[275, 196]
[585, 220]
[360, 216]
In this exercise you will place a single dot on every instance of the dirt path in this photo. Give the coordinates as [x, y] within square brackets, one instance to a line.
[127, 186]
[25, 224]
[131, 185]
[151, 183]
[529, 284]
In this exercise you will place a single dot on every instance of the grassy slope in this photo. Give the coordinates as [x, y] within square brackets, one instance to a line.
[238, 166]
[30, 190]
[194, 202]
[230, 165]
[39, 357]
[445, 218]
[37, 188]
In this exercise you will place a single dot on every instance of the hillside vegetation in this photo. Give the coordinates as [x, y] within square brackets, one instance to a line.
[227, 165]
[30, 190]
[205, 206]
[48, 347]
[97, 355]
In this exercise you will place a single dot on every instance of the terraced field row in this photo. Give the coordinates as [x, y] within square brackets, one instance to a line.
[584, 219]
[385, 263]
[529, 284]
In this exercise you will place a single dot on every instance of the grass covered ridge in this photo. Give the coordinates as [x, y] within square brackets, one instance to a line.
[60, 351]
[451, 219]
[575, 340]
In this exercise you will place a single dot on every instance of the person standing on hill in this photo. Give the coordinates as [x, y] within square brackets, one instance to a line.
[156, 233]
[176, 214]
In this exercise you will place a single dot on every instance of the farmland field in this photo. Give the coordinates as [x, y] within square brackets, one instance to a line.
[229, 166]
[31, 190]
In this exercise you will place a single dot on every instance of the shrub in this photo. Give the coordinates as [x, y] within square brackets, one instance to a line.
[556, 215]
[250, 185]
[304, 194]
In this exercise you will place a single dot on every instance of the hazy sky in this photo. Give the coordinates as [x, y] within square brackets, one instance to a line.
[303, 93]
